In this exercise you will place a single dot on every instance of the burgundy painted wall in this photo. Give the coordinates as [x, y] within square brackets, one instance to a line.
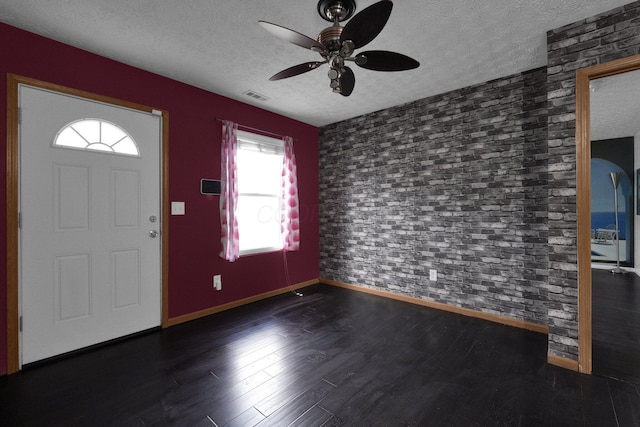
[194, 139]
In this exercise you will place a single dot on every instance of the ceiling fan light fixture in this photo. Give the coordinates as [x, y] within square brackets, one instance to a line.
[361, 60]
[347, 49]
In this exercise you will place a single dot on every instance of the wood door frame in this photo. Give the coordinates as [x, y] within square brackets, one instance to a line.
[583, 198]
[13, 192]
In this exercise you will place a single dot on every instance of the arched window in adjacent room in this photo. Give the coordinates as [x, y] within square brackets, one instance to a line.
[96, 135]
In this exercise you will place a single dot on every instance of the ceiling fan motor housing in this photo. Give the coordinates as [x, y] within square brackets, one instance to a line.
[336, 10]
[330, 37]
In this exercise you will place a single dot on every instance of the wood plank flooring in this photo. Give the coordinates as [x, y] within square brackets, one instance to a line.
[616, 325]
[334, 357]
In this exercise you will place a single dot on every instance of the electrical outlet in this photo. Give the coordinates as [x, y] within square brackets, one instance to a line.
[217, 282]
[433, 275]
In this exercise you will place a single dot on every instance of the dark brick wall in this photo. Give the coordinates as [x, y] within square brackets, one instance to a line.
[478, 183]
[457, 183]
[603, 38]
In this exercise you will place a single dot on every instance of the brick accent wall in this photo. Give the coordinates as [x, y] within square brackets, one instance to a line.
[603, 38]
[458, 183]
[478, 183]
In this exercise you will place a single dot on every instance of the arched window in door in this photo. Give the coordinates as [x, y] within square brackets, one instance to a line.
[96, 135]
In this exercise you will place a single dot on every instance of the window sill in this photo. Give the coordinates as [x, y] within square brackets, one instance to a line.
[259, 251]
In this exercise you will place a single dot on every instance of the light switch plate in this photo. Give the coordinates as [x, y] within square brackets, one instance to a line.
[177, 208]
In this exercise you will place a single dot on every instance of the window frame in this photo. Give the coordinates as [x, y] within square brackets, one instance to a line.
[257, 142]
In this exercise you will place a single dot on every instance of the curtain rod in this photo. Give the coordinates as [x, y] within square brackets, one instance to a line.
[265, 132]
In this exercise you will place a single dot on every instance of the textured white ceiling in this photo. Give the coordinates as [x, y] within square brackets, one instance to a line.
[218, 46]
[615, 106]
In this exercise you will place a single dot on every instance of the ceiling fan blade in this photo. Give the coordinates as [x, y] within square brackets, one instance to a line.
[347, 82]
[367, 24]
[297, 69]
[292, 36]
[382, 60]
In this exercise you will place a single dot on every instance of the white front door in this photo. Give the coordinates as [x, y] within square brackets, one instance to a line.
[90, 263]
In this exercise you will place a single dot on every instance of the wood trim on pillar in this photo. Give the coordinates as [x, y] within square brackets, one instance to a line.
[563, 362]
[12, 195]
[583, 201]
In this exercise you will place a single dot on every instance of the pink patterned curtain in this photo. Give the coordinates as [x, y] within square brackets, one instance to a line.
[230, 237]
[290, 220]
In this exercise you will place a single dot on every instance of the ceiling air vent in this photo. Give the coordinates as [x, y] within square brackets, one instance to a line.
[255, 95]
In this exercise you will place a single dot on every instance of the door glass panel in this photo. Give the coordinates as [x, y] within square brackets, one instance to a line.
[96, 135]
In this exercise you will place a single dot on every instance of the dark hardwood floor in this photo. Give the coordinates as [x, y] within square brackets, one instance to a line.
[616, 325]
[331, 358]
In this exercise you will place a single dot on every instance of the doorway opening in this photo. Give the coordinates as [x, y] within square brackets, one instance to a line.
[584, 78]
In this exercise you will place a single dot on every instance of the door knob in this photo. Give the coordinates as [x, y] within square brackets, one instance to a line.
[153, 234]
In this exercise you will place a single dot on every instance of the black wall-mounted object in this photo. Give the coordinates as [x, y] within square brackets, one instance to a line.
[210, 186]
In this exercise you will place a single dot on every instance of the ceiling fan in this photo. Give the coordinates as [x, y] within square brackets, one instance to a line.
[336, 44]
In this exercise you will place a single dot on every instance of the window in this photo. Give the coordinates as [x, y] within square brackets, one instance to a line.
[96, 135]
[259, 164]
